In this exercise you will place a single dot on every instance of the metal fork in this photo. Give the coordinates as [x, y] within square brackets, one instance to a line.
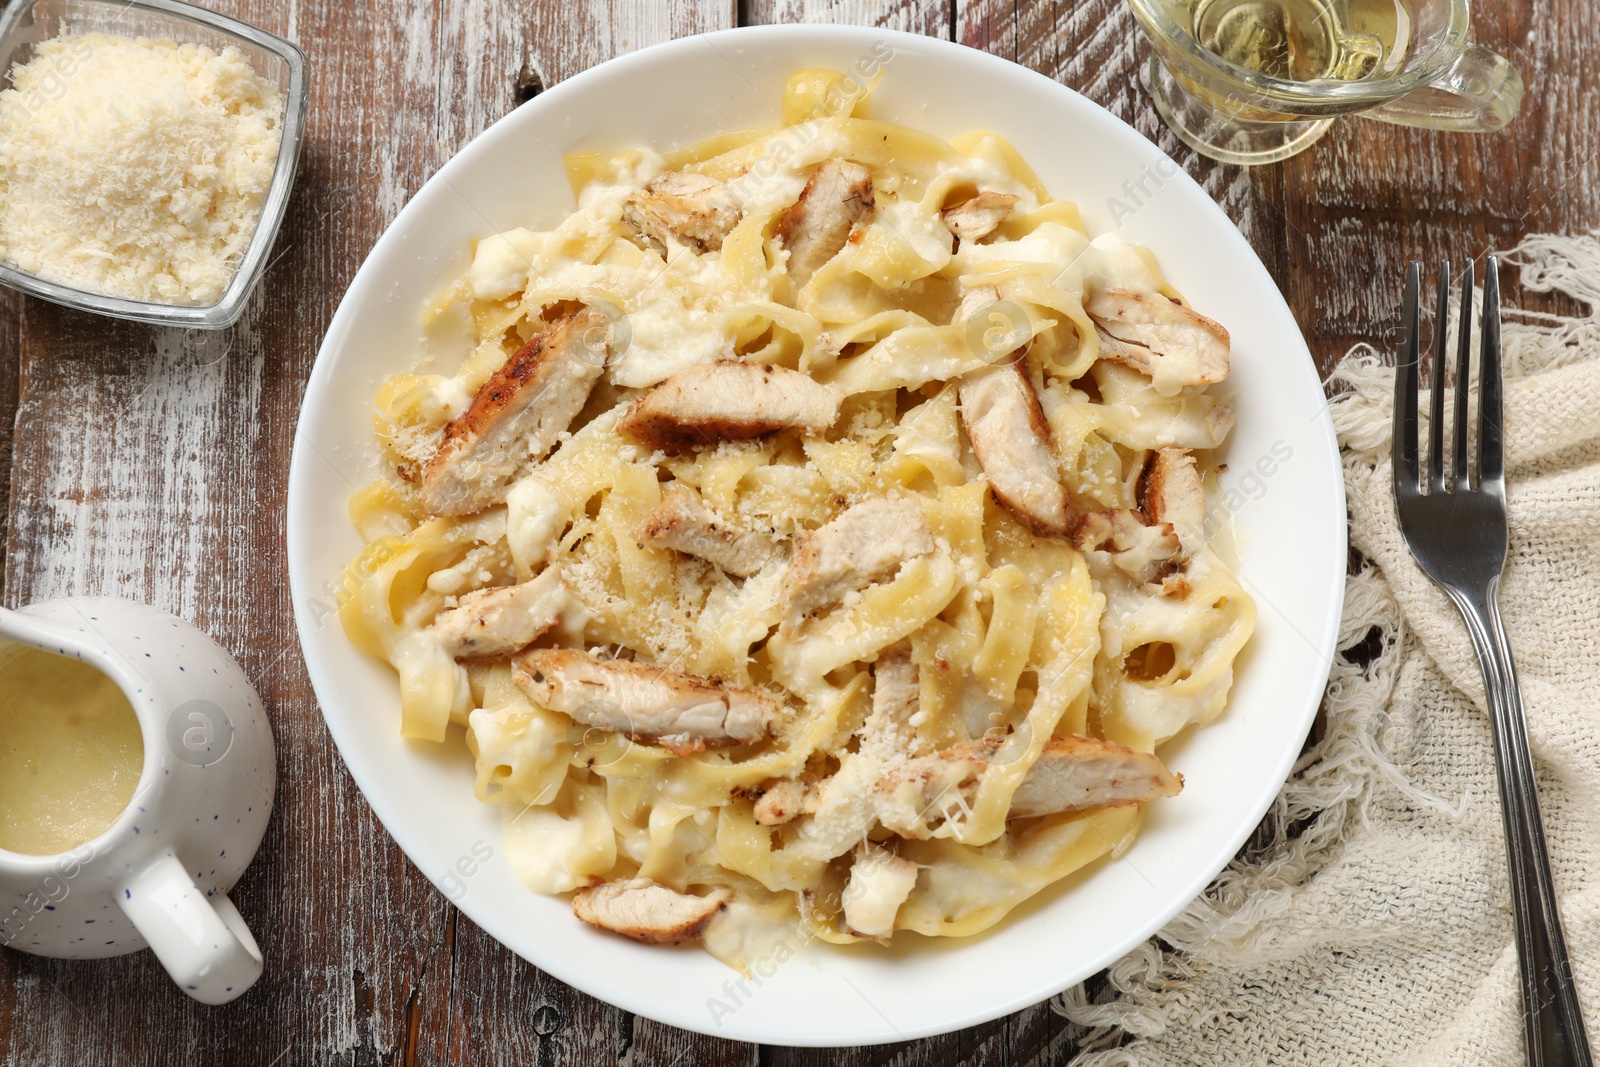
[1456, 529]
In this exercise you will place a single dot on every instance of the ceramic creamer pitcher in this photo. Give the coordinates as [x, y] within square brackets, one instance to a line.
[158, 877]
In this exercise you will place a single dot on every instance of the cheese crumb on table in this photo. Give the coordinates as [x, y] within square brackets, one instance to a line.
[135, 168]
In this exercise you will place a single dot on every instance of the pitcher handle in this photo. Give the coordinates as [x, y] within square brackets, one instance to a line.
[202, 942]
[1480, 93]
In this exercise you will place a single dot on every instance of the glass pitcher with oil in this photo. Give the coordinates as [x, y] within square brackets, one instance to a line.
[1253, 81]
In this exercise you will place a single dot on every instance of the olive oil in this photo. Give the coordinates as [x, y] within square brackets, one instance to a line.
[1303, 40]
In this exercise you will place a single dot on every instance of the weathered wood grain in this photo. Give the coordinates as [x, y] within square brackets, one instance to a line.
[568, 38]
[13, 306]
[932, 18]
[150, 464]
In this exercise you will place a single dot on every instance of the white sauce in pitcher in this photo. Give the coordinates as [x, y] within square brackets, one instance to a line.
[70, 751]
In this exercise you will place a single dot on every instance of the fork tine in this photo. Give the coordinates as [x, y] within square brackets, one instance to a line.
[1405, 392]
[1458, 462]
[1491, 460]
[1436, 398]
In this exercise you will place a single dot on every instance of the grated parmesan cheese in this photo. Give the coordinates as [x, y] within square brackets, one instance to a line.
[135, 168]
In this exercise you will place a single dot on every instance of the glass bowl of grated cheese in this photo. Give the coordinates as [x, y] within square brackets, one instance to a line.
[147, 153]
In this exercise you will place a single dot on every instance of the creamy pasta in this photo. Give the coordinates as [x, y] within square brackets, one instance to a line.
[814, 539]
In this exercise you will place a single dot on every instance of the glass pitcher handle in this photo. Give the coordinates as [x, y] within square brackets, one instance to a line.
[1480, 93]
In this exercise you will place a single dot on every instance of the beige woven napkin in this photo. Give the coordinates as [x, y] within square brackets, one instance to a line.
[1374, 926]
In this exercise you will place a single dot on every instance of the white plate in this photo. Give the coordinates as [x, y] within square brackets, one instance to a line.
[1283, 484]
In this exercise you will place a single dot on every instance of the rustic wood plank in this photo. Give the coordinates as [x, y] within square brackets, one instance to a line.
[567, 37]
[13, 306]
[929, 17]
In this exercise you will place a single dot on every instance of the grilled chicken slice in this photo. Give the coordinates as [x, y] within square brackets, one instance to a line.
[1217, 424]
[1145, 552]
[1172, 344]
[863, 544]
[500, 621]
[896, 695]
[880, 882]
[785, 800]
[980, 216]
[690, 209]
[727, 401]
[1172, 493]
[516, 415]
[845, 806]
[973, 301]
[1071, 774]
[1079, 773]
[683, 523]
[681, 712]
[835, 199]
[1011, 439]
[648, 912]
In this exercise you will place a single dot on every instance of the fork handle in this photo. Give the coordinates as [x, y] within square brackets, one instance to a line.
[1553, 1024]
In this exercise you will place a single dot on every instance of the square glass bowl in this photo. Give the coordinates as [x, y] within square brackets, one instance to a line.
[26, 23]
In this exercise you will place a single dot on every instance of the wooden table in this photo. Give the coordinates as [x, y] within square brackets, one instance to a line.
[151, 464]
